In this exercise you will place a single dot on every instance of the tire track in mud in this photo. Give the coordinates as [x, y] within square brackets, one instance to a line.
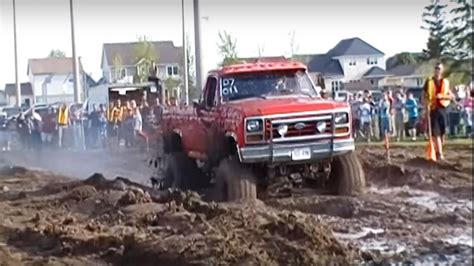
[413, 210]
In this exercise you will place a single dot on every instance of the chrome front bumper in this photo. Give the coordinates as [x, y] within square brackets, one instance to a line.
[273, 153]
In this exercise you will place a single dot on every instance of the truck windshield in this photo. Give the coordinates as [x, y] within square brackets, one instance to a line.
[262, 84]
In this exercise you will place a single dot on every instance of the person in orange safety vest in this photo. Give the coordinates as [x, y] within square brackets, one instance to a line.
[437, 97]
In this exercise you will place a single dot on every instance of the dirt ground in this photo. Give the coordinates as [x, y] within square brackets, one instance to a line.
[412, 211]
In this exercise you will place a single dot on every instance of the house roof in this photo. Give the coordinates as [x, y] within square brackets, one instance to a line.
[353, 46]
[375, 72]
[328, 66]
[404, 70]
[166, 51]
[25, 88]
[322, 63]
[43, 66]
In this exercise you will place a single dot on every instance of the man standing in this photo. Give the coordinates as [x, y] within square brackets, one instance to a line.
[412, 108]
[437, 96]
[62, 122]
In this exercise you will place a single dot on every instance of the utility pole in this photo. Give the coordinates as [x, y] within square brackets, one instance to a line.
[17, 83]
[75, 67]
[185, 57]
[197, 40]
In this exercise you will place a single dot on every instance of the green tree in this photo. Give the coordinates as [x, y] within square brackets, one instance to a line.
[145, 53]
[461, 29]
[227, 48]
[56, 53]
[434, 21]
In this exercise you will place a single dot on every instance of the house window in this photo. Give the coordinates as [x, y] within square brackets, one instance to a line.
[172, 70]
[371, 61]
[352, 63]
[336, 85]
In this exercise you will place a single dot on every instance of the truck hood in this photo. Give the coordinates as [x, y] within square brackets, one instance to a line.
[283, 104]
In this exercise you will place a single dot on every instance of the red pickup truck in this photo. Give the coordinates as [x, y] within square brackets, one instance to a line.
[255, 122]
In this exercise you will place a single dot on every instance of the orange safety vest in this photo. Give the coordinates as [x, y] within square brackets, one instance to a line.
[110, 114]
[63, 116]
[434, 90]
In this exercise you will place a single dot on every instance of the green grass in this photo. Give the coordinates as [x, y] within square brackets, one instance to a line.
[418, 143]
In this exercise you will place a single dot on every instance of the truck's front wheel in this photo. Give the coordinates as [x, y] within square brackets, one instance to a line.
[234, 182]
[347, 175]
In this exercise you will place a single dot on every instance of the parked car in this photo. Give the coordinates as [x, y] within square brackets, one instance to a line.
[255, 122]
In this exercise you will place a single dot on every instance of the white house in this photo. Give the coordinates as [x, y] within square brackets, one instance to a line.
[120, 64]
[52, 79]
[26, 91]
[350, 61]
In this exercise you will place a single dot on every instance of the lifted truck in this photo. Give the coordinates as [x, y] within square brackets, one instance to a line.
[255, 122]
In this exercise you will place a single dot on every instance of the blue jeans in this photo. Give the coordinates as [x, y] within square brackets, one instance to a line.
[384, 126]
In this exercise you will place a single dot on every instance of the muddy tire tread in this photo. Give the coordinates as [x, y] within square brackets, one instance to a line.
[238, 183]
[349, 177]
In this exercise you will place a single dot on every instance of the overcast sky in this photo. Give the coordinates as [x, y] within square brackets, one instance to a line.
[42, 25]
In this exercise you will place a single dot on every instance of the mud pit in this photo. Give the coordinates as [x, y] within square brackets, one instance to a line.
[412, 211]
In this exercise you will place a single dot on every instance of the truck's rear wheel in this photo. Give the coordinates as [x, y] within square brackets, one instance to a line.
[182, 172]
[347, 175]
[234, 182]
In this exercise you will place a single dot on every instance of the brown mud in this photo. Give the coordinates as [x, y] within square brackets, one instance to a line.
[412, 210]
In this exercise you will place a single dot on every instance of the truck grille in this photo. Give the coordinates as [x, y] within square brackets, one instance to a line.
[299, 128]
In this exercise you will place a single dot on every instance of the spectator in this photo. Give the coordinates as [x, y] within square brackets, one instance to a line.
[48, 127]
[468, 105]
[411, 106]
[384, 115]
[63, 123]
[103, 122]
[365, 116]
[94, 126]
[399, 107]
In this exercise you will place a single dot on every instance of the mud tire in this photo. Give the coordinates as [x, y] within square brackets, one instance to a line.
[182, 172]
[234, 182]
[347, 176]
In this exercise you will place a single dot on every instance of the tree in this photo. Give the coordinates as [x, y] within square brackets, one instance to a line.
[404, 58]
[461, 29]
[227, 48]
[56, 53]
[294, 47]
[145, 53]
[434, 21]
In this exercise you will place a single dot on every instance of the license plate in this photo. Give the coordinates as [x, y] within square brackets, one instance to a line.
[301, 154]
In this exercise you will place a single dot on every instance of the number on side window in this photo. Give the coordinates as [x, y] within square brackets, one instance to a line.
[228, 87]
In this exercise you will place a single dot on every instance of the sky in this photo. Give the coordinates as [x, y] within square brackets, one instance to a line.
[42, 25]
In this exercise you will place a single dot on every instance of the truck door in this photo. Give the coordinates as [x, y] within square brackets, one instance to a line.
[207, 118]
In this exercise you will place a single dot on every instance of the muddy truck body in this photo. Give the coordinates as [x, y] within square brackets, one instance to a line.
[254, 123]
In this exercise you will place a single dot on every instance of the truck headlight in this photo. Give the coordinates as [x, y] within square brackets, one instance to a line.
[341, 118]
[321, 126]
[255, 125]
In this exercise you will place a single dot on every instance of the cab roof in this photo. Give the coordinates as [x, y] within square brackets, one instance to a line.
[259, 67]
